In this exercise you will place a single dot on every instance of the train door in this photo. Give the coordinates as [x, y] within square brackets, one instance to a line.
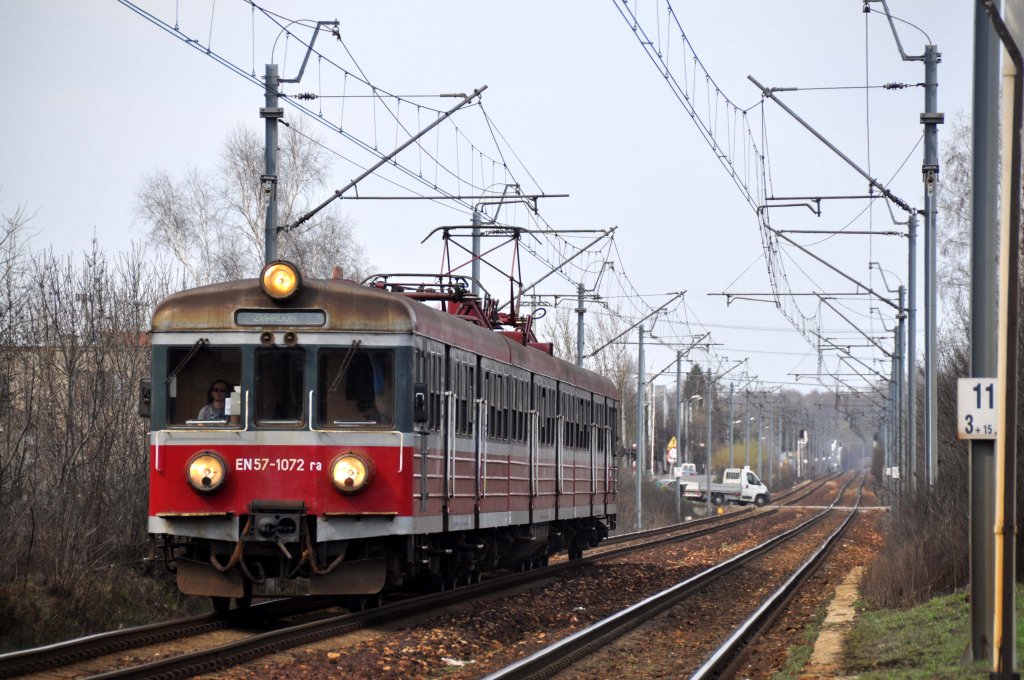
[594, 436]
[430, 441]
[602, 456]
[519, 438]
[459, 441]
[544, 470]
[611, 462]
[492, 442]
[584, 454]
[565, 449]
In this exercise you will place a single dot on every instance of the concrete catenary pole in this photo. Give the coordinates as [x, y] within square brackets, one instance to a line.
[679, 427]
[707, 441]
[271, 113]
[930, 170]
[580, 311]
[1011, 32]
[746, 431]
[731, 428]
[912, 353]
[901, 352]
[640, 428]
[984, 218]
[475, 268]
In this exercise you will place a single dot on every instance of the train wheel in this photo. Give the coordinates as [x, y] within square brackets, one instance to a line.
[221, 605]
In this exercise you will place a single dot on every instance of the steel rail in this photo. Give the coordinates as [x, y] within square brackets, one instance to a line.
[89, 647]
[725, 658]
[562, 654]
[231, 654]
[101, 644]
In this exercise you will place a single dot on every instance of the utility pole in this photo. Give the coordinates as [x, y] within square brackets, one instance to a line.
[475, 269]
[931, 119]
[912, 354]
[640, 428]
[746, 433]
[271, 113]
[679, 438]
[760, 436]
[771, 440]
[707, 442]
[580, 311]
[901, 333]
[984, 252]
[930, 170]
[731, 428]
[686, 432]
[1004, 636]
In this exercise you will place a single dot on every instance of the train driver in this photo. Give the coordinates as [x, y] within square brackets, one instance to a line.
[215, 396]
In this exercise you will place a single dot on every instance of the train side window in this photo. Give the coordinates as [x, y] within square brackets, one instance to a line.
[516, 431]
[356, 387]
[280, 381]
[437, 387]
[550, 408]
[501, 426]
[192, 372]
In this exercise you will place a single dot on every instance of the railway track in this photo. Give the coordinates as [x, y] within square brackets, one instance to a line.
[723, 661]
[278, 615]
[274, 626]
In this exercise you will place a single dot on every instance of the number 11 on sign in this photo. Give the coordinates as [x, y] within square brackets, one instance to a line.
[976, 408]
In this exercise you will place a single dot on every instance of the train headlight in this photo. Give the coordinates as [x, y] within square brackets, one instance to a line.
[206, 471]
[351, 472]
[280, 280]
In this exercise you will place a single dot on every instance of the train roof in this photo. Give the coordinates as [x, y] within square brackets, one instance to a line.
[352, 308]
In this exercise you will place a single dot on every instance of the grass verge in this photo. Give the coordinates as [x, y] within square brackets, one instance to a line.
[927, 641]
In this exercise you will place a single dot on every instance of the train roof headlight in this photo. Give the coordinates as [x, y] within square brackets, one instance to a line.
[206, 471]
[280, 280]
[351, 473]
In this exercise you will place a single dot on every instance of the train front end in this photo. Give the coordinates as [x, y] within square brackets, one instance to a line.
[276, 454]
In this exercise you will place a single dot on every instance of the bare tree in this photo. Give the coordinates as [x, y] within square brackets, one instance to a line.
[954, 274]
[213, 223]
[73, 464]
[613, 362]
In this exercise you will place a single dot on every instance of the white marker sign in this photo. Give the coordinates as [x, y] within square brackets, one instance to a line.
[976, 408]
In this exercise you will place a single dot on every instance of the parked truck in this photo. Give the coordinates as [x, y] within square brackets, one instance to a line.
[737, 485]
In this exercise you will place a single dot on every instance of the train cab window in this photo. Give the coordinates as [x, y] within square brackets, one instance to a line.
[356, 387]
[196, 376]
[279, 385]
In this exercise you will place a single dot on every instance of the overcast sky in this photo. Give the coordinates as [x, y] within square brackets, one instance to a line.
[99, 97]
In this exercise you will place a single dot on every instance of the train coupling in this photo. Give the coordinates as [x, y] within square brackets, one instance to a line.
[275, 521]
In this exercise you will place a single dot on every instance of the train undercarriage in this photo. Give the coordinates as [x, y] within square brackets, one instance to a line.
[290, 561]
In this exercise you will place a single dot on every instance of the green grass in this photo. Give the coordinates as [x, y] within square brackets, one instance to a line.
[927, 641]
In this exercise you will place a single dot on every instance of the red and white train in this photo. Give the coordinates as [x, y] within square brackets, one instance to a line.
[375, 435]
